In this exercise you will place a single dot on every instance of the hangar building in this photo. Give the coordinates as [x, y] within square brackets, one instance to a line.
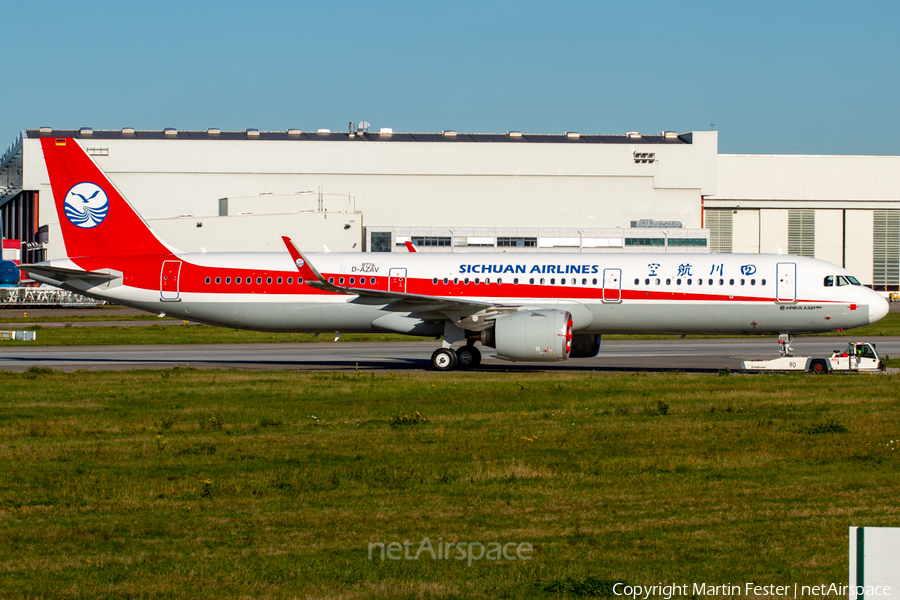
[452, 192]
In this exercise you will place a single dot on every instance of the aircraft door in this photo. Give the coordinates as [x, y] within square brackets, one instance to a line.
[397, 280]
[612, 285]
[168, 280]
[787, 282]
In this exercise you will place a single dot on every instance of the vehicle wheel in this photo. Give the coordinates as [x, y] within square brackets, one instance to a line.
[443, 359]
[468, 357]
[817, 367]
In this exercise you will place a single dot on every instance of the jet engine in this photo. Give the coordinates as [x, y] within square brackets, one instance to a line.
[541, 335]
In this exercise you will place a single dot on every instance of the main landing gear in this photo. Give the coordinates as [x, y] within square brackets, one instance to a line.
[447, 359]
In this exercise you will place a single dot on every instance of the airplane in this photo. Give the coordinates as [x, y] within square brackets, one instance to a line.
[531, 307]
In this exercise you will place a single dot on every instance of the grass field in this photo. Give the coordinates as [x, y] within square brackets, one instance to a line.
[212, 484]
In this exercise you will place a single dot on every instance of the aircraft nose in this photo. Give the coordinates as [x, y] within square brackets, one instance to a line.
[878, 308]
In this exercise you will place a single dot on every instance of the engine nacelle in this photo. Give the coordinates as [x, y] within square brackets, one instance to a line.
[585, 345]
[541, 335]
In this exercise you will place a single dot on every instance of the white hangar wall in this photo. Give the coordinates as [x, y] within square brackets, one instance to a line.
[490, 185]
[843, 209]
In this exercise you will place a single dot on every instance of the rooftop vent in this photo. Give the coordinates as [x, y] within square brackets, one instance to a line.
[293, 132]
[573, 134]
[86, 131]
[448, 133]
[170, 131]
[128, 131]
[213, 131]
[514, 133]
[46, 130]
[633, 135]
[324, 131]
[386, 130]
[253, 133]
[670, 135]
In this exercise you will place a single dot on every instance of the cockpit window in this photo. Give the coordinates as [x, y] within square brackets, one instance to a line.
[829, 281]
[853, 280]
[841, 280]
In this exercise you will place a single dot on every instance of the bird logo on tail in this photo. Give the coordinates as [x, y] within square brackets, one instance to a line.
[86, 205]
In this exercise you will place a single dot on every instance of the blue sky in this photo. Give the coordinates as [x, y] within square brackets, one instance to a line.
[823, 76]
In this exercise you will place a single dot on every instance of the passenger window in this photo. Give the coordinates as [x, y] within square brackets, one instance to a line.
[330, 280]
[699, 282]
[721, 282]
[763, 282]
[742, 282]
[731, 282]
[752, 282]
[678, 282]
[637, 282]
[829, 281]
[584, 282]
[269, 280]
[531, 280]
[218, 280]
[477, 280]
[455, 280]
[668, 282]
[352, 280]
[433, 281]
[340, 280]
[280, 280]
[499, 281]
[646, 282]
[299, 281]
[542, 281]
[237, 280]
[466, 280]
[710, 282]
[553, 281]
[207, 280]
[445, 281]
[657, 281]
[290, 280]
[595, 282]
[689, 281]
[228, 280]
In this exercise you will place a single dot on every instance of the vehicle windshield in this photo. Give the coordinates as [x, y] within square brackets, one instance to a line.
[853, 280]
[841, 280]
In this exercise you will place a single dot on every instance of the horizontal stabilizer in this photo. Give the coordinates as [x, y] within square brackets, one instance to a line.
[46, 270]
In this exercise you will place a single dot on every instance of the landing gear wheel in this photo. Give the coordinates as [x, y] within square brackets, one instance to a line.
[818, 367]
[443, 359]
[468, 357]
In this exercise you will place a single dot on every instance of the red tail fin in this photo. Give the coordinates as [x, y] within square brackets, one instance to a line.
[95, 218]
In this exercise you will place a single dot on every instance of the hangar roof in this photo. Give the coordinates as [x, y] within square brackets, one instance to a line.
[445, 137]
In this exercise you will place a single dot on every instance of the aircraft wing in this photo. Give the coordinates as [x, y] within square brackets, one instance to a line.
[402, 300]
[47, 270]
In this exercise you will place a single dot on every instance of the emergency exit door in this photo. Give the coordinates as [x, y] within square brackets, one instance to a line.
[612, 285]
[168, 280]
[787, 282]
[397, 280]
